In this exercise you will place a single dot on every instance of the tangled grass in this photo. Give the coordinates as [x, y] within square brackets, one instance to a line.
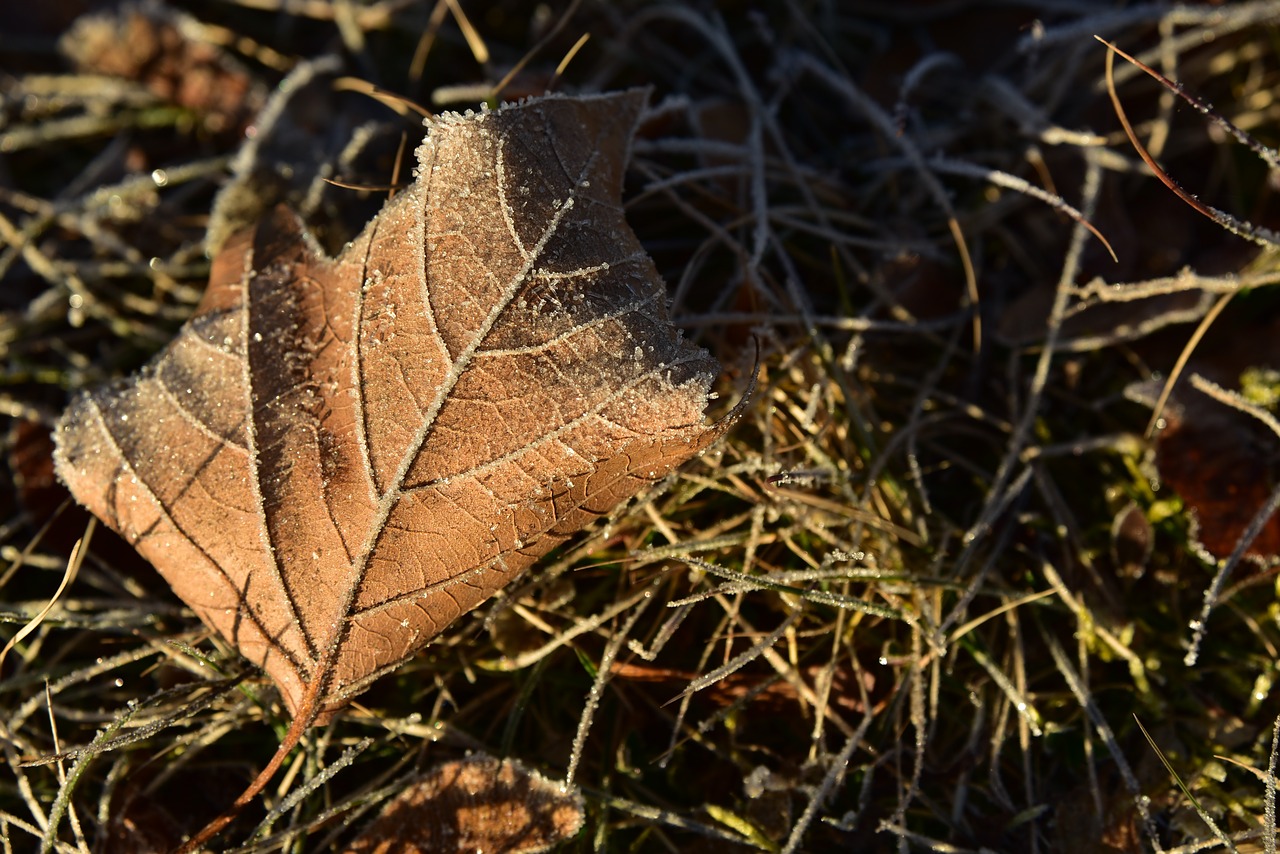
[936, 591]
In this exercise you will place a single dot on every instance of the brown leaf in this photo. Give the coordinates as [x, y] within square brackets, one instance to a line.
[336, 458]
[1222, 466]
[162, 49]
[476, 804]
[1219, 460]
[31, 469]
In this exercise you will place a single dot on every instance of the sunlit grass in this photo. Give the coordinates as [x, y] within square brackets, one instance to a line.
[928, 593]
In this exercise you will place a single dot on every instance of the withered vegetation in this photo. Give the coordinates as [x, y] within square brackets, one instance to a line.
[940, 588]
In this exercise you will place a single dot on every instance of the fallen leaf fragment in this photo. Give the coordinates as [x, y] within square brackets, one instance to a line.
[1219, 464]
[475, 804]
[1217, 458]
[163, 50]
[336, 458]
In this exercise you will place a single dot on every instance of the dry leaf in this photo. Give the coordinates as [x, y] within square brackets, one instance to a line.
[1219, 460]
[335, 459]
[165, 51]
[476, 804]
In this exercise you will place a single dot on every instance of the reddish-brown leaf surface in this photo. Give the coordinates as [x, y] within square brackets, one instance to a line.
[475, 804]
[155, 46]
[1218, 459]
[336, 458]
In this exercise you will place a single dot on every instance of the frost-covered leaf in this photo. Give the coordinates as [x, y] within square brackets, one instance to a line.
[475, 804]
[336, 458]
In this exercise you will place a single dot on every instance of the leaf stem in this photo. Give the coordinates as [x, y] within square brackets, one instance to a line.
[307, 713]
